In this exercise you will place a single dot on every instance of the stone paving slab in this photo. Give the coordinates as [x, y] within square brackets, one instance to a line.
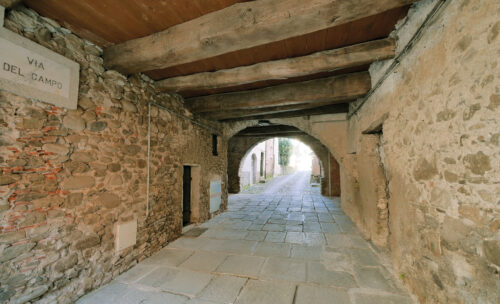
[168, 257]
[242, 265]
[204, 261]
[267, 292]
[284, 269]
[321, 295]
[223, 289]
[288, 247]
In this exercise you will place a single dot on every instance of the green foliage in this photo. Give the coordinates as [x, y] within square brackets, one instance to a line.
[285, 150]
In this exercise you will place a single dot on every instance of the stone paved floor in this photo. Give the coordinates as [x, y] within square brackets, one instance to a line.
[288, 246]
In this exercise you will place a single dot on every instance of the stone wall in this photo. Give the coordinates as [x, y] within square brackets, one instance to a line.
[439, 115]
[69, 176]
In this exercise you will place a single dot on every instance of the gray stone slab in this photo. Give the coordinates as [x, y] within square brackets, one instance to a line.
[158, 277]
[274, 227]
[312, 227]
[135, 273]
[223, 289]
[325, 218]
[295, 237]
[204, 261]
[275, 237]
[330, 228]
[308, 253]
[321, 295]
[371, 277]
[317, 273]
[242, 265]
[113, 292]
[168, 257]
[263, 292]
[266, 249]
[188, 243]
[284, 269]
[256, 227]
[364, 257]
[371, 298]
[336, 259]
[314, 239]
[230, 246]
[358, 242]
[224, 234]
[256, 235]
[338, 240]
[181, 281]
[137, 296]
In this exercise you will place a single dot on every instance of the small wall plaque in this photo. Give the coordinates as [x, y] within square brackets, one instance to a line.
[33, 71]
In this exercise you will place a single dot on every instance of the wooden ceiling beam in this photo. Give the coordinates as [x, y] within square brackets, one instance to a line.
[270, 131]
[330, 109]
[224, 115]
[333, 89]
[240, 26]
[325, 61]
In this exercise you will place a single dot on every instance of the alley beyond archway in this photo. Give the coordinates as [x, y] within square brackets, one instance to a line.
[296, 183]
[286, 244]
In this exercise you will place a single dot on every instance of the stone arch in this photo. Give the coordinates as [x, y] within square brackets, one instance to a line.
[331, 133]
[239, 147]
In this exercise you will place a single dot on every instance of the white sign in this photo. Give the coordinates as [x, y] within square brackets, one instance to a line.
[31, 70]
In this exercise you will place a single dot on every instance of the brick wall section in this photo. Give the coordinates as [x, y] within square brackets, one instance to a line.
[68, 176]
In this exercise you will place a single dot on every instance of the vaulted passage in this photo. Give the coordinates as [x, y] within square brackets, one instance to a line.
[145, 151]
[287, 245]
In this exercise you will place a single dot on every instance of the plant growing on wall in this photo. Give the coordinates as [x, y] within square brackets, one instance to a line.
[285, 150]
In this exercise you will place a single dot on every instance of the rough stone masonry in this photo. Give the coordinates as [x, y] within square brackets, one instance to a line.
[69, 176]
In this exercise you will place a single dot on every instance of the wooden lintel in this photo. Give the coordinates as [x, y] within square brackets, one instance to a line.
[333, 89]
[240, 26]
[331, 109]
[224, 115]
[325, 61]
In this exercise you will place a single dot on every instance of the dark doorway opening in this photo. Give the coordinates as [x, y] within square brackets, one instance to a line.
[186, 196]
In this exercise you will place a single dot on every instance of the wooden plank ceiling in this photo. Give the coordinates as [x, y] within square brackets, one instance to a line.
[113, 23]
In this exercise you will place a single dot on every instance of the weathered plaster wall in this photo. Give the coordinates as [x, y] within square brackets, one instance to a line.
[249, 172]
[69, 176]
[440, 114]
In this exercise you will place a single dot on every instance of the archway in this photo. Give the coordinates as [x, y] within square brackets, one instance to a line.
[243, 142]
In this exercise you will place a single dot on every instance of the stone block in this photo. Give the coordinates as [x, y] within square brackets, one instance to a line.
[88, 241]
[56, 149]
[74, 122]
[78, 182]
[108, 200]
[14, 251]
[492, 251]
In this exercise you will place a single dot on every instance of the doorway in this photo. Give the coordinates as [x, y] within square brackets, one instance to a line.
[186, 196]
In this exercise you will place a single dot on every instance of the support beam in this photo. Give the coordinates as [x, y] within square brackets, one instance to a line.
[331, 109]
[240, 26]
[270, 131]
[334, 89]
[326, 61]
[224, 115]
